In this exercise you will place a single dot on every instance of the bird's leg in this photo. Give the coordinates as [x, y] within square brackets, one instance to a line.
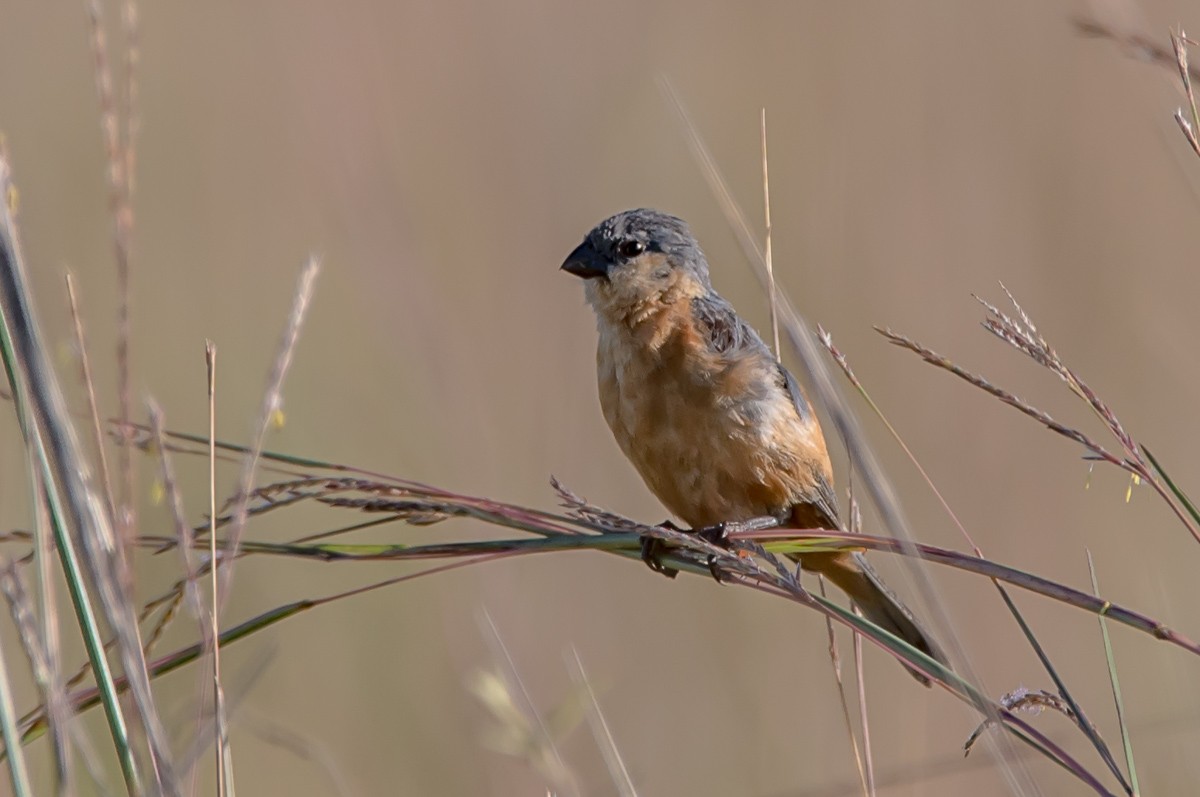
[719, 534]
[652, 548]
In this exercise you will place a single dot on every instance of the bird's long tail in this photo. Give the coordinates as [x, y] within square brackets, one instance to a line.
[854, 576]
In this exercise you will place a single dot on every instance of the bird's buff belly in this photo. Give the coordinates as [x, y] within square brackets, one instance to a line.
[707, 460]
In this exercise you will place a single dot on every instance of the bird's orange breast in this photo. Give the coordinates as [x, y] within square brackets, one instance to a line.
[715, 437]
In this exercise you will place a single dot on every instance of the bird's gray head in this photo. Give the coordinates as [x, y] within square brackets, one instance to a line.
[637, 259]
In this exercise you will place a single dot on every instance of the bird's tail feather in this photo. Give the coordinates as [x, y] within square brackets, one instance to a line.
[853, 575]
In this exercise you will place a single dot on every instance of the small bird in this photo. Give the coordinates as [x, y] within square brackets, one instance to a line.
[716, 426]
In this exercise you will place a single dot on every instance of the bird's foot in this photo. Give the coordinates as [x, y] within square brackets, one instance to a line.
[718, 535]
[714, 535]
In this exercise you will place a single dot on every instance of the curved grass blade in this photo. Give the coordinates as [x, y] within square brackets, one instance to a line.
[1085, 725]
[1116, 686]
[1178, 493]
[35, 722]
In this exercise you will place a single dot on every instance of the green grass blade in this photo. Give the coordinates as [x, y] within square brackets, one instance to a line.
[939, 672]
[14, 313]
[90, 698]
[1081, 719]
[1178, 493]
[779, 542]
[92, 639]
[1116, 685]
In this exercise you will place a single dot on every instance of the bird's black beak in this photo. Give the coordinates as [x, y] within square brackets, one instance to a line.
[585, 262]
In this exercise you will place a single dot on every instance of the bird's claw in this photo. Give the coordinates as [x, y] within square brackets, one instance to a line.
[652, 548]
[714, 568]
[714, 535]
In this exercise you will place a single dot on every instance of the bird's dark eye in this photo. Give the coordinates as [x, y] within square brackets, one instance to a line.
[630, 248]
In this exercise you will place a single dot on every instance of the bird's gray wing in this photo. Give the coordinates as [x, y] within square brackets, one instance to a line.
[824, 498]
[726, 333]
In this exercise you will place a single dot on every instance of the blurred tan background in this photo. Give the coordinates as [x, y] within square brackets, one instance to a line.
[442, 158]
